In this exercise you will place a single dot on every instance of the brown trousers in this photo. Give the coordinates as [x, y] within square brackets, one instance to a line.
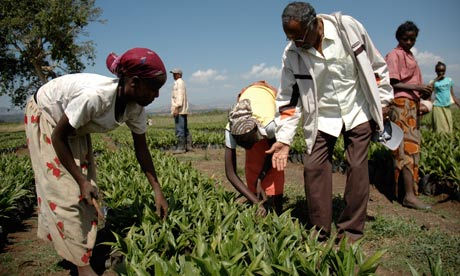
[318, 182]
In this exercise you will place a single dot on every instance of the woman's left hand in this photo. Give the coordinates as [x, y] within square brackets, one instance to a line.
[261, 211]
[386, 112]
[425, 91]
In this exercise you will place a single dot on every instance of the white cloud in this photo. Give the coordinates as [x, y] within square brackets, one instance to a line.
[426, 62]
[260, 71]
[206, 76]
[425, 58]
[221, 77]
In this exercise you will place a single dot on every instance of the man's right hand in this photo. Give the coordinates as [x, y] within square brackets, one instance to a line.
[280, 155]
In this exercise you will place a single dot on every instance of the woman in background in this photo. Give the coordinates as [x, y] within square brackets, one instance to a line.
[443, 88]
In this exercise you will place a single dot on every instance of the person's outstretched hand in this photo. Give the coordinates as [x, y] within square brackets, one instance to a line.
[386, 112]
[161, 205]
[425, 91]
[280, 153]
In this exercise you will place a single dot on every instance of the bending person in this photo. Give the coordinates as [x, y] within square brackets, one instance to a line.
[251, 126]
[59, 119]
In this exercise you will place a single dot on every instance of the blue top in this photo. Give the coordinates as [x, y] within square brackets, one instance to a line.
[442, 92]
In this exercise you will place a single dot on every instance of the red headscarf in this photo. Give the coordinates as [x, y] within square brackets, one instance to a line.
[141, 62]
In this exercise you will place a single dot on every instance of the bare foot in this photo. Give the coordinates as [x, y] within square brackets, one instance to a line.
[415, 203]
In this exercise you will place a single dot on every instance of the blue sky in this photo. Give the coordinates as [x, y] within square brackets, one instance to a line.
[223, 46]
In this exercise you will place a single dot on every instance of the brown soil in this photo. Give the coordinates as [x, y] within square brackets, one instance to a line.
[27, 255]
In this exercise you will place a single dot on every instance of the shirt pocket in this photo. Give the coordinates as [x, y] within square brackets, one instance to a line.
[343, 68]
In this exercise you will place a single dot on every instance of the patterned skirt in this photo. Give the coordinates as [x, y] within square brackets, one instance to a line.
[63, 217]
[405, 115]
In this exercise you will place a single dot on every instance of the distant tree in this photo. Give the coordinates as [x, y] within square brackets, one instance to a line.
[40, 40]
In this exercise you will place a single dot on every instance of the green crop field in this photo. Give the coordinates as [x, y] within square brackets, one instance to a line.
[208, 233]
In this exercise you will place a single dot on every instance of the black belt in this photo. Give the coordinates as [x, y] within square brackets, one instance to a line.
[35, 96]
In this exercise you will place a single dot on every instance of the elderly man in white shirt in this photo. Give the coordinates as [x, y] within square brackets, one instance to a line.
[179, 109]
[336, 80]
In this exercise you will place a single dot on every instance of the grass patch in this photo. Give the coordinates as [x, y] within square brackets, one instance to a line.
[206, 120]
[409, 243]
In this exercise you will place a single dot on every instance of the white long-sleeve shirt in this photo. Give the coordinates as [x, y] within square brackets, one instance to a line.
[298, 95]
[179, 100]
[341, 101]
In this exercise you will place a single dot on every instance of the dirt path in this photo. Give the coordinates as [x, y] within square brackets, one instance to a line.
[27, 255]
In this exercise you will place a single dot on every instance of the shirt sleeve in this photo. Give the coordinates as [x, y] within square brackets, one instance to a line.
[381, 71]
[137, 119]
[270, 130]
[392, 61]
[288, 105]
[229, 140]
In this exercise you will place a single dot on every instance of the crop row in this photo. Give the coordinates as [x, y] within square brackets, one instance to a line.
[17, 193]
[439, 155]
[10, 141]
[206, 232]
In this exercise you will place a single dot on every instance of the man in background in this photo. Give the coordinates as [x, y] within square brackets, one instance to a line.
[179, 110]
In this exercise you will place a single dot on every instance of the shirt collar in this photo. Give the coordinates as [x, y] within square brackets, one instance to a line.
[398, 47]
[328, 29]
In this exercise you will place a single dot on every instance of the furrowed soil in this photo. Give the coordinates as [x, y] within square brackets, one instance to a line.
[25, 254]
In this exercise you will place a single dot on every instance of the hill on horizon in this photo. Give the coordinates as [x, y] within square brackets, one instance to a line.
[11, 115]
[193, 108]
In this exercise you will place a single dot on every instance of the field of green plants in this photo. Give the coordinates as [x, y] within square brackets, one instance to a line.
[207, 233]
